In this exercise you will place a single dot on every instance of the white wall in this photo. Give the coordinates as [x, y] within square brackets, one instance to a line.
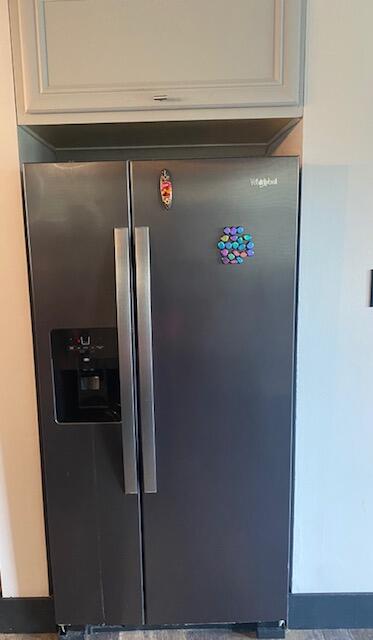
[22, 545]
[333, 550]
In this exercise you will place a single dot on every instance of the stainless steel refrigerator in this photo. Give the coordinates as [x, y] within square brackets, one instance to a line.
[163, 300]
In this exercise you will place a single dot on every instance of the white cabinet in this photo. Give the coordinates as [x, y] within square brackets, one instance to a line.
[97, 60]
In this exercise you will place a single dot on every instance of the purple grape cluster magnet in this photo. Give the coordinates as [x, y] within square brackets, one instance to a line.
[235, 245]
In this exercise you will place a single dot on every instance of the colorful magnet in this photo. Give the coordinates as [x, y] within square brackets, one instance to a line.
[165, 188]
[233, 247]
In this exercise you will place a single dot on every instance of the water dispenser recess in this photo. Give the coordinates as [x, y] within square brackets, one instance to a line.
[86, 375]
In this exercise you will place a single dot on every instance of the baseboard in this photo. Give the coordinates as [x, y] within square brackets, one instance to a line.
[330, 611]
[306, 611]
[27, 615]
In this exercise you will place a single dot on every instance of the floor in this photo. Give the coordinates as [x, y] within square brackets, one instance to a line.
[216, 634]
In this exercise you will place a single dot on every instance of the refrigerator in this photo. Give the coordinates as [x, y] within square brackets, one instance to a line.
[163, 304]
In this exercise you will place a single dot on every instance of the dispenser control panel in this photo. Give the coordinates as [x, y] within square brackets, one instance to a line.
[83, 344]
[86, 375]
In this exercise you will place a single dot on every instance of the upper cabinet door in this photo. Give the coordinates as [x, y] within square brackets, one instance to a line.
[142, 58]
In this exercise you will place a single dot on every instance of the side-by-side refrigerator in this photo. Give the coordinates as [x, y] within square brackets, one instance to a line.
[163, 302]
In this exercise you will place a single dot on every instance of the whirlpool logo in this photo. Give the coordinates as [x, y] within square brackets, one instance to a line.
[263, 182]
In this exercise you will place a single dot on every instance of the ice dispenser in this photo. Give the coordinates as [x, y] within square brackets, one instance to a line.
[86, 375]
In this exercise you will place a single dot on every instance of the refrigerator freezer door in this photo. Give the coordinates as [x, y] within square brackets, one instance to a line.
[216, 533]
[93, 525]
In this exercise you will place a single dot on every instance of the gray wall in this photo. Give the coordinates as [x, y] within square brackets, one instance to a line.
[32, 150]
[168, 153]
[333, 534]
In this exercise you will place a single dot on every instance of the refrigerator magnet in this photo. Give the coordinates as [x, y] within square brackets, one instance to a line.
[235, 245]
[165, 188]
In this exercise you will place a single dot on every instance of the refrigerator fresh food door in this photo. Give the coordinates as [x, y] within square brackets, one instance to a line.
[79, 269]
[215, 353]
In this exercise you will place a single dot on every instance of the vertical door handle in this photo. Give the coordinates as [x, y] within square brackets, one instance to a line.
[124, 322]
[145, 354]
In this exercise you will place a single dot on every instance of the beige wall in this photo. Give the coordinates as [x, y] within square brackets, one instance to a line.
[23, 566]
[22, 543]
[292, 144]
[333, 468]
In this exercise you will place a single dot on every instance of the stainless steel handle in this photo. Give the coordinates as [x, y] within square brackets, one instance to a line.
[124, 321]
[145, 352]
